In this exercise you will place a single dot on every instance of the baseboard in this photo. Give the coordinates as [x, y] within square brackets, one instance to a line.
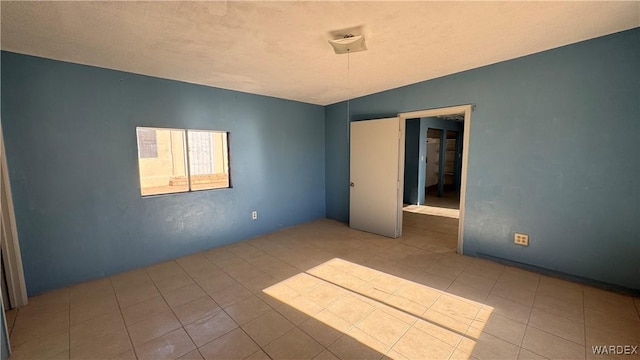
[564, 276]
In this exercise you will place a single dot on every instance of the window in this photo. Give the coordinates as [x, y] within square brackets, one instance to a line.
[179, 160]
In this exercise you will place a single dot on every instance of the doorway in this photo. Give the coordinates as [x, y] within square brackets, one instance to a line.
[388, 138]
[437, 209]
[443, 168]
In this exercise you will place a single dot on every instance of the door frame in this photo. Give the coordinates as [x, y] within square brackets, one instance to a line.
[451, 110]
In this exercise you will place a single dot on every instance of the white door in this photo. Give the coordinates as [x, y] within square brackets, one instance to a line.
[377, 160]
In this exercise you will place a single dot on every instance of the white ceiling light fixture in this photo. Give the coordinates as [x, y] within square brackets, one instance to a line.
[348, 44]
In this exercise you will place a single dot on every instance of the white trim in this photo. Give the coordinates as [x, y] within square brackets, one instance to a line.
[10, 245]
[401, 140]
[466, 109]
[6, 329]
[2, 253]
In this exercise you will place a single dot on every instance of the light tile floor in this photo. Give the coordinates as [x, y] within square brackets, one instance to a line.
[324, 291]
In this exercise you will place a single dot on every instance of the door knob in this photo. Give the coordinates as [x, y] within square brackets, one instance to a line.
[352, 184]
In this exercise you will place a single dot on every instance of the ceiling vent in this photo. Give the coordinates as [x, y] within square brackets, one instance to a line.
[348, 44]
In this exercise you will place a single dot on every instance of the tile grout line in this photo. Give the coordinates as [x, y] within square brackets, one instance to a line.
[238, 326]
[466, 331]
[456, 277]
[255, 352]
[309, 335]
[281, 336]
[121, 316]
[490, 290]
[416, 318]
[549, 333]
[535, 296]
[247, 335]
[455, 347]
[182, 326]
[398, 339]
[379, 301]
[364, 317]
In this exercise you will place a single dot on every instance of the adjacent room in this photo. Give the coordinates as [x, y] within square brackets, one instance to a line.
[320, 180]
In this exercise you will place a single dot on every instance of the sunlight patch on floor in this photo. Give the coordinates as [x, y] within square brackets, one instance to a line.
[388, 314]
[432, 210]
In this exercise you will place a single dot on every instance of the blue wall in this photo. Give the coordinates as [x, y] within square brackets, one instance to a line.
[554, 152]
[337, 162]
[72, 156]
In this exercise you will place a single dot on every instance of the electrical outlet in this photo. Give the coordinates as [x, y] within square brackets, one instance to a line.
[521, 239]
[254, 215]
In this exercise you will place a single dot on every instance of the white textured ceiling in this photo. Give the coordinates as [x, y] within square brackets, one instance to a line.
[280, 48]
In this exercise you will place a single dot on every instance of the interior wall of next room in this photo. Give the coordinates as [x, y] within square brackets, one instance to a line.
[415, 161]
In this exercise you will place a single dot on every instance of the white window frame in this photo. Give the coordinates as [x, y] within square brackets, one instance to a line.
[187, 158]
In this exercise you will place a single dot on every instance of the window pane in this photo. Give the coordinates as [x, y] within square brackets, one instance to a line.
[147, 143]
[166, 171]
[208, 159]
